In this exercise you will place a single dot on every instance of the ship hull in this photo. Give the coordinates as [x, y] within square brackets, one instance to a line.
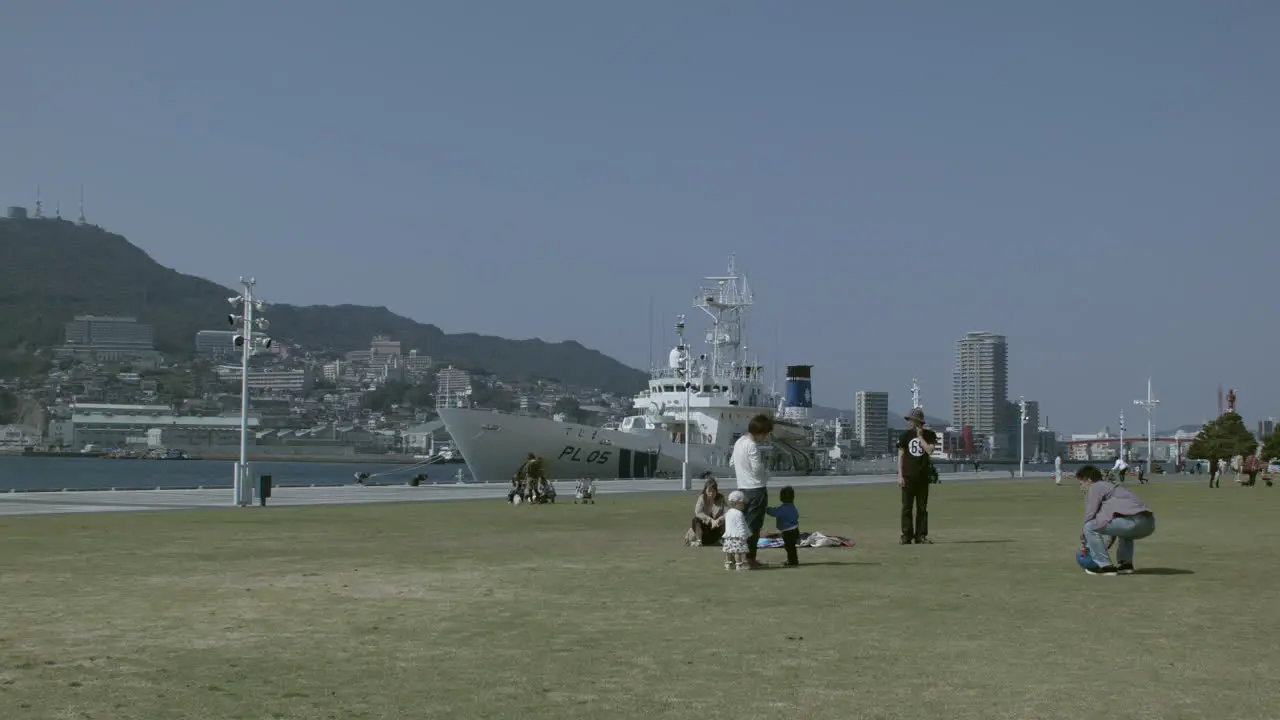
[494, 445]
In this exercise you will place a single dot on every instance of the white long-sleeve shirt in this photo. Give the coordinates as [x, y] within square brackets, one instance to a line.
[735, 524]
[748, 464]
[1120, 465]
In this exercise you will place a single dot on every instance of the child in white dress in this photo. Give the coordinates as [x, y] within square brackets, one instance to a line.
[736, 533]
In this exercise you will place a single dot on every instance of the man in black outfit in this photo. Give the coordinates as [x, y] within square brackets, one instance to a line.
[915, 473]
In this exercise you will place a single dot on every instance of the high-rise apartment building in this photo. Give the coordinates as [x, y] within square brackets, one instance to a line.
[382, 347]
[453, 387]
[108, 339]
[871, 421]
[980, 389]
[217, 343]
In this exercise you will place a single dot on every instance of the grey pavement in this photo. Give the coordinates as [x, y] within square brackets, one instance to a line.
[89, 501]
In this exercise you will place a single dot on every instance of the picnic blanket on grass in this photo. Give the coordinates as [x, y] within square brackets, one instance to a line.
[811, 539]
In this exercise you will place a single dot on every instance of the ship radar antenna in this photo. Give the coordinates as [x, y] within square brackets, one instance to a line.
[81, 219]
[39, 204]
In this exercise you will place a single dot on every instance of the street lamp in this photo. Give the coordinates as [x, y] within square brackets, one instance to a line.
[249, 340]
[686, 483]
[1022, 435]
[1150, 404]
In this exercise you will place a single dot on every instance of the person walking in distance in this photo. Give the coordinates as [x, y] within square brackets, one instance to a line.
[1121, 467]
[753, 478]
[915, 445]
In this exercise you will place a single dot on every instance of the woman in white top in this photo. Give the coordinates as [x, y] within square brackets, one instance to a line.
[753, 479]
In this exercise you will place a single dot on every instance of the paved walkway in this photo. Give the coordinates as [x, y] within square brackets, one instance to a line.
[83, 501]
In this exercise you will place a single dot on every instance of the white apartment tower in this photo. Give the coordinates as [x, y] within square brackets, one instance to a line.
[980, 388]
[871, 421]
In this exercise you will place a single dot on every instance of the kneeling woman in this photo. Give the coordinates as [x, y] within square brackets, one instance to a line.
[708, 513]
[1112, 513]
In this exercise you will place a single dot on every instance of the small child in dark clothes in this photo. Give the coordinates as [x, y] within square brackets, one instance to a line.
[788, 521]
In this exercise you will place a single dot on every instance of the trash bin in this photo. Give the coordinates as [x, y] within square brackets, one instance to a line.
[264, 489]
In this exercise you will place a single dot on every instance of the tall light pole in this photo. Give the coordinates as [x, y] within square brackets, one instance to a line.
[1150, 404]
[1122, 435]
[248, 341]
[1022, 435]
[686, 483]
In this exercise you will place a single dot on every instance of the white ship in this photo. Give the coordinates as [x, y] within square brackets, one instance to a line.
[718, 392]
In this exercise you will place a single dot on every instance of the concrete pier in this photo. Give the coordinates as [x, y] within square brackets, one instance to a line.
[88, 501]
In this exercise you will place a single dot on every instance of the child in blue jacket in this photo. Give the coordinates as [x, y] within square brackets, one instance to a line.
[788, 521]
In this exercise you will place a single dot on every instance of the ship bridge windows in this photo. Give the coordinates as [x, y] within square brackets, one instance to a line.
[638, 422]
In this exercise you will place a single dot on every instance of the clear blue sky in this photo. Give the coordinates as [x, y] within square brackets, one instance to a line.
[1098, 181]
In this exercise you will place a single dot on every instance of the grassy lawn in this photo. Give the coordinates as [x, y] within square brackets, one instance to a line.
[480, 610]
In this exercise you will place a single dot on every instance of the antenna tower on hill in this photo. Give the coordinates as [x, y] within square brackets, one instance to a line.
[39, 204]
[81, 220]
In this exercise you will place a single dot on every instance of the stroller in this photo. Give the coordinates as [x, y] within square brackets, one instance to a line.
[585, 491]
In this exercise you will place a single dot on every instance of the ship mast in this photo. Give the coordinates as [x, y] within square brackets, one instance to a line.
[725, 303]
[915, 394]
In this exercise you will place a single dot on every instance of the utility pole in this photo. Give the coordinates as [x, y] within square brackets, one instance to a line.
[1022, 435]
[249, 342]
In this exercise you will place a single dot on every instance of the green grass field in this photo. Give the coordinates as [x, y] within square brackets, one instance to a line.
[480, 610]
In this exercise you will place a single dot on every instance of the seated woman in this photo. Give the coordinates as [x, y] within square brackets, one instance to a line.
[708, 513]
[1111, 512]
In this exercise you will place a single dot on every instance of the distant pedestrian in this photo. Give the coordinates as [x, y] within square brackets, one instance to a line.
[1253, 465]
[753, 479]
[1121, 467]
[1215, 473]
[915, 473]
[1057, 470]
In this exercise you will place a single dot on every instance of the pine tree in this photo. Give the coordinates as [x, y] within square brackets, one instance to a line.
[1223, 438]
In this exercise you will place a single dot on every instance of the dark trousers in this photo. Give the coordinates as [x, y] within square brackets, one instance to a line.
[915, 495]
[1122, 473]
[707, 534]
[789, 540]
[757, 500]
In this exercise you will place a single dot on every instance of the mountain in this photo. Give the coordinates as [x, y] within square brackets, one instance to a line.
[54, 269]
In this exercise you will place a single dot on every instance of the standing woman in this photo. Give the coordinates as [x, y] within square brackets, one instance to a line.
[753, 479]
[708, 513]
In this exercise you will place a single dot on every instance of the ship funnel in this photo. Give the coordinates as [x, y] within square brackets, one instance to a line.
[798, 395]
